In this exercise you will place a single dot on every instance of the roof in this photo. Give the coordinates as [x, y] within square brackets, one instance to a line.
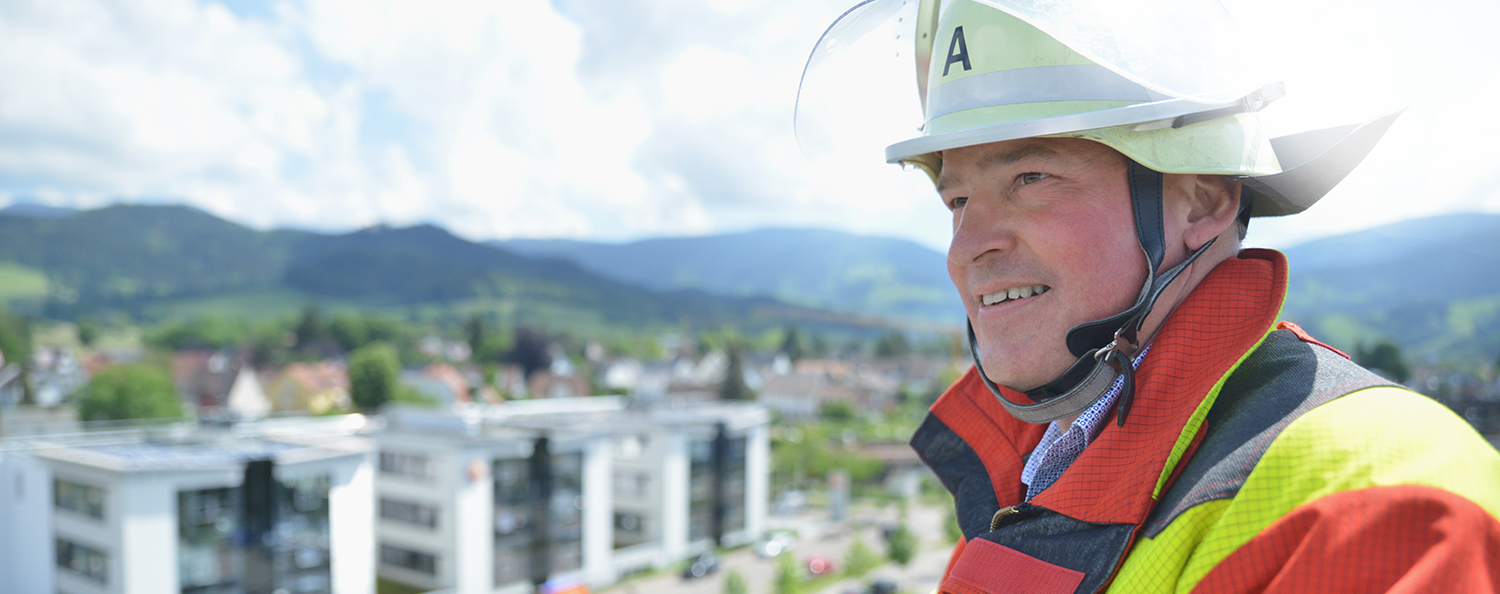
[185, 447]
[319, 377]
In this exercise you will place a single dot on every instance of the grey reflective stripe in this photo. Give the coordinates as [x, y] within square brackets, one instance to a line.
[1082, 82]
[1118, 116]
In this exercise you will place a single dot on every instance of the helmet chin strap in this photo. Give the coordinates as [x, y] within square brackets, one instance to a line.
[1104, 347]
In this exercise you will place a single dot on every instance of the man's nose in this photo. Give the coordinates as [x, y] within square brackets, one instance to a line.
[979, 233]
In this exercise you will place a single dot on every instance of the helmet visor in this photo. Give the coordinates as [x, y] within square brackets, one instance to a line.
[858, 91]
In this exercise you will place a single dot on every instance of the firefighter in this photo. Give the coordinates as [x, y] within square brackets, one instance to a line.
[1137, 419]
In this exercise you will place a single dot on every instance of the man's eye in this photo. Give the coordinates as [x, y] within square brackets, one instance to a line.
[958, 203]
[1031, 177]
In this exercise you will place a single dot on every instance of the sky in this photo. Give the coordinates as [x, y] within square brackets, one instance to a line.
[614, 120]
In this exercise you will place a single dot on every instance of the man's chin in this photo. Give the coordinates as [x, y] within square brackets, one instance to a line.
[1016, 380]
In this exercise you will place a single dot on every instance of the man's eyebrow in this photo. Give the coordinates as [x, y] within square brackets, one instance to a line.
[1002, 157]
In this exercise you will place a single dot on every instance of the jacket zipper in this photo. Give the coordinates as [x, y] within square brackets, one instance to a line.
[1006, 512]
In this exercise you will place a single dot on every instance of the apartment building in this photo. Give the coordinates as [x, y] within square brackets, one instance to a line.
[498, 499]
[271, 507]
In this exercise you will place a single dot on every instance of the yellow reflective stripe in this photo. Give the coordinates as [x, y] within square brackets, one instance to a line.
[1156, 564]
[1375, 437]
[1195, 421]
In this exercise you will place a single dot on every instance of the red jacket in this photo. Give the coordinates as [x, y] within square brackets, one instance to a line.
[1254, 459]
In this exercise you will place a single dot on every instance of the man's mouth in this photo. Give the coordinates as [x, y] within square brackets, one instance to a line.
[1013, 294]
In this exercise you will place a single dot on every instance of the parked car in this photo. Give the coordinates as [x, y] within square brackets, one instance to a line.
[705, 564]
[819, 566]
[775, 544]
[882, 586]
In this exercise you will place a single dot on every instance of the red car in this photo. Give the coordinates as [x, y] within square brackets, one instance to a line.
[819, 566]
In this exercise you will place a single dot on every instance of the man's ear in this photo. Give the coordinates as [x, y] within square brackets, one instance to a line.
[1204, 205]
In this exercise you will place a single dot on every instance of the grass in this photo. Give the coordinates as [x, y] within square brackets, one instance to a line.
[253, 305]
[385, 586]
[20, 282]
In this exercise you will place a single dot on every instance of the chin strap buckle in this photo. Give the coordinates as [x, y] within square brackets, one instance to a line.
[1120, 354]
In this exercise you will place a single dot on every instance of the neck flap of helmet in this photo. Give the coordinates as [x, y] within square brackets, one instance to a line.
[1105, 347]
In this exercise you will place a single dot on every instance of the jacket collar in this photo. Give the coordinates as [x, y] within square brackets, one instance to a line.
[1119, 476]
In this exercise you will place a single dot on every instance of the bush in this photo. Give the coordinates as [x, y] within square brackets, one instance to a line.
[903, 544]
[373, 372]
[788, 575]
[734, 583]
[836, 411]
[1384, 357]
[860, 559]
[134, 391]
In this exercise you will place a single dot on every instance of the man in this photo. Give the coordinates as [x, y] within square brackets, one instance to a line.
[1136, 419]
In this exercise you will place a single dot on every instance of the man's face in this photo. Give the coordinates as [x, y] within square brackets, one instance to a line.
[1045, 216]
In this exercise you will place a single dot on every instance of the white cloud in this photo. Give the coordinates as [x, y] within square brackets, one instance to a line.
[609, 119]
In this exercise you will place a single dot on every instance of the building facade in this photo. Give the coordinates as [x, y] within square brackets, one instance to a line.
[183, 509]
[501, 499]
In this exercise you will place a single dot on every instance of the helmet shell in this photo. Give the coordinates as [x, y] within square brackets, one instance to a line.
[994, 77]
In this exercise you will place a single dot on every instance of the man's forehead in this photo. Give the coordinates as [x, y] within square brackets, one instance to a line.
[989, 156]
[999, 154]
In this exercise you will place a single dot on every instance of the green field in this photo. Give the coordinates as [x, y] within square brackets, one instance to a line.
[19, 282]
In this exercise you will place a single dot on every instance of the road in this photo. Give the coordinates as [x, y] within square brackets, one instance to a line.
[818, 535]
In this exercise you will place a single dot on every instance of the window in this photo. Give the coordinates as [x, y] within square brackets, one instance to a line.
[408, 512]
[408, 559]
[82, 561]
[513, 511]
[208, 558]
[734, 485]
[630, 529]
[78, 498]
[631, 485]
[415, 466]
[567, 512]
[700, 490]
[301, 550]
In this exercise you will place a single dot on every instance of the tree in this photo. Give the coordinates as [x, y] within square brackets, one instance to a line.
[1385, 357]
[734, 583]
[859, 559]
[132, 391]
[734, 386]
[348, 331]
[819, 347]
[531, 351]
[836, 410]
[475, 331]
[15, 347]
[310, 328]
[903, 544]
[891, 345]
[15, 337]
[791, 344]
[88, 331]
[373, 371]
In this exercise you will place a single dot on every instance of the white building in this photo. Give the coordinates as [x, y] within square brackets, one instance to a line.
[501, 498]
[460, 503]
[273, 506]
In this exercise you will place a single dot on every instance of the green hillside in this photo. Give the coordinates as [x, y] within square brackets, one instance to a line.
[157, 262]
[874, 276]
[1430, 285]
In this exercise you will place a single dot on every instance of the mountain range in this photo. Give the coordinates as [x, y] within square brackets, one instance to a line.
[1430, 285]
[154, 261]
[874, 276]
